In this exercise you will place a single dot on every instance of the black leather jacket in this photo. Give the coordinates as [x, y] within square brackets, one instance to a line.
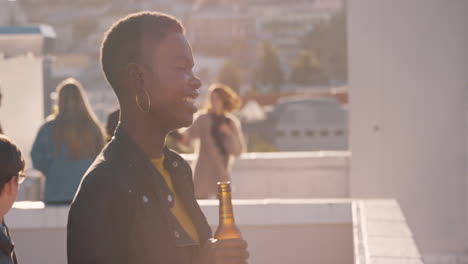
[7, 252]
[121, 212]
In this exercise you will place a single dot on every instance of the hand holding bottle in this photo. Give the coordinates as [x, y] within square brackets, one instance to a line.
[228, 245]
[230, 251]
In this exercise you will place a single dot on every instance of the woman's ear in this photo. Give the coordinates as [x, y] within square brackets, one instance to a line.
[11, 186]
[134, 74]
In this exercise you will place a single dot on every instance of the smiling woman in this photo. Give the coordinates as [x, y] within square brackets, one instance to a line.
[176, 87]
[136, 203]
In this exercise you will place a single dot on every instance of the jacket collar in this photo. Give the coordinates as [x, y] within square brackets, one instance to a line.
[6, 246]
[179, 170]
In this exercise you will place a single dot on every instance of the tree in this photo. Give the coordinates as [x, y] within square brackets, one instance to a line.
[306, 70]
[328, 41]
[230, 75]
[268, 72]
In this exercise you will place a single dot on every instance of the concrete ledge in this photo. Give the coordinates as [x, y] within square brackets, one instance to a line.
[286, 175]
[284, 155]
[34, 215]
[278, 230]
[381, 234]
[283, 211]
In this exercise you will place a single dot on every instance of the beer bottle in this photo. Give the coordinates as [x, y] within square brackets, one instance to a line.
[227, 228]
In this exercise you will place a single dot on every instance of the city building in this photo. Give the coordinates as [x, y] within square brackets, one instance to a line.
[285, 23]
[224, 31]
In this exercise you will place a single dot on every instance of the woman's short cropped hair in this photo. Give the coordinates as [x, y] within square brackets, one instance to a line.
[124, 42]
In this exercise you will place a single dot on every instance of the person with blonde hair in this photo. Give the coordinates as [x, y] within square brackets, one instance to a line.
[220, 140]
[67, 143]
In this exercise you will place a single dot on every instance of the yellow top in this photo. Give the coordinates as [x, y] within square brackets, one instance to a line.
[178, 210]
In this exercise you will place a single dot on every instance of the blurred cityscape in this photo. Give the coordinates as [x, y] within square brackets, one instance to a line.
[270, 51]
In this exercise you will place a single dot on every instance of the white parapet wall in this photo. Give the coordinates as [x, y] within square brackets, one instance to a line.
[22, 107]
[320, 174]
[408, 64]
[381, 234]
[278, 231]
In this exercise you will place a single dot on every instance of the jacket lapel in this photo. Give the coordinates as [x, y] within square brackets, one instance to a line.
[182, 180]
[181, 175]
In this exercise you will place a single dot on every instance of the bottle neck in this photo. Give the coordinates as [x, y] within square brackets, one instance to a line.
[226, 215]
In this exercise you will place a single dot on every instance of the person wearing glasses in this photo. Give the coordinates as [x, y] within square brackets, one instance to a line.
[11, 175]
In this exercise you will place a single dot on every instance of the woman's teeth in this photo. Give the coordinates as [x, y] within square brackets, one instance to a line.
[188, 99]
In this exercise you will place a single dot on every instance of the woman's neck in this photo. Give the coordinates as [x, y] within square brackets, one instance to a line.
[150, 138]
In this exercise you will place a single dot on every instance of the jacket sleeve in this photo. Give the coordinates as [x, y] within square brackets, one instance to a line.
[235, 143]
[98, 229]
[42, 150]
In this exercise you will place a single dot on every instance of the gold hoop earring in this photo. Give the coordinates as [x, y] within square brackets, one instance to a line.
[139, 105]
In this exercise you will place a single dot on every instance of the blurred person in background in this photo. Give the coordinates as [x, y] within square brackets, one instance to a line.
[221, 140]
[11, 175]
[136, 203]
[67, 144]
